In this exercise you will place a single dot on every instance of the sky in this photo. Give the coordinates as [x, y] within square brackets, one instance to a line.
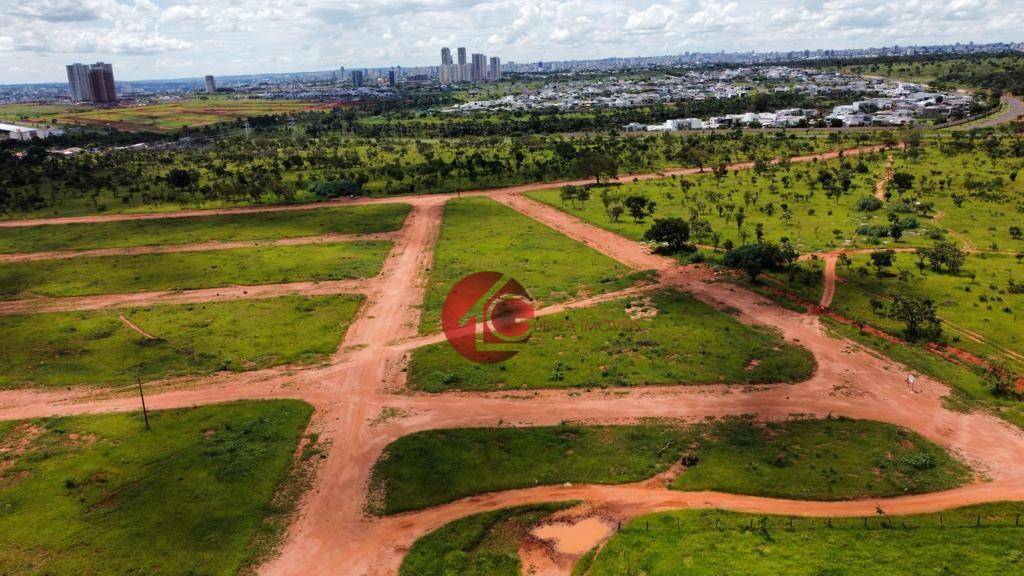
[149, 39]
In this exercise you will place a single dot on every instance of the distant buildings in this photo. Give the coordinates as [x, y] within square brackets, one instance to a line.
[211, 84]
[92, 83]
[494, 71]
[16, 132]
[477, 69]
[357, 78]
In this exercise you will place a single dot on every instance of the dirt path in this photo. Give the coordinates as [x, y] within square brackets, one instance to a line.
[332, 535]
[135, 328]
[884, 181]
[71, 303]
[200, 247]
[830, 281]
[408, 199]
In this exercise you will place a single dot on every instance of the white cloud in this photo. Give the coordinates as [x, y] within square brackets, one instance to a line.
[241, 36]
[656, 17]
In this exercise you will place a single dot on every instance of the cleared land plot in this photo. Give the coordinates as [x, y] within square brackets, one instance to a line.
[478, 545]
[368, 219]
[174, 115]
[668, 338]
[96, 348]
[709, 543]
[480, 235]
[833, 459]
[786, 203]
[101, 495]
[182, 271]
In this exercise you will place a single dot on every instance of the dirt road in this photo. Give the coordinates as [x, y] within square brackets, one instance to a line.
[332, 535]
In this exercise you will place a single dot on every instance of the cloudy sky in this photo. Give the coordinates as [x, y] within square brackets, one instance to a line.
[174, 38]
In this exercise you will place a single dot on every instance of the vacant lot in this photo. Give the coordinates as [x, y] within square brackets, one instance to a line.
[831, 459]
[218, 228]
[187, 113]
[480, 235]
[669, 338]
[92, 348]
[101, 495]
[479, 545]
[187, 270]
[710, 543]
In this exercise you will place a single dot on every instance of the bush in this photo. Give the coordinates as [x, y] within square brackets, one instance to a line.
[868, 204]
[327, 189]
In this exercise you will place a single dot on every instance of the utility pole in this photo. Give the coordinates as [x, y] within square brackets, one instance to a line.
[145, 413]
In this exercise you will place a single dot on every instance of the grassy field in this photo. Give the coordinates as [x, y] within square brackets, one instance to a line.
[706, 543]
[218, 228]
[480, 235]
[97, 348]
[188, 270]
[668, 338]
[981, 315]
[785, 202]
[31, 112]
[186, 113]
[101, 495]
[479, 545]
[833, 459]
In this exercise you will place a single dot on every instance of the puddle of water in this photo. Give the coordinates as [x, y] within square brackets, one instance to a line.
[574, 538]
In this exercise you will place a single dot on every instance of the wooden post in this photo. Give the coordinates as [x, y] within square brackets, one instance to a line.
[865, 521]
[1017, 522]
[145, 413]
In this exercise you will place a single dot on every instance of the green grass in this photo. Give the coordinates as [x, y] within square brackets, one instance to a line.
[982, 306]
[189, 270]
[787, 202]
[366, 219]
[101, 495]
[687, 342]
[479, 545]
[480, 235]
[832, 459]
[96, 348]
[711, 542]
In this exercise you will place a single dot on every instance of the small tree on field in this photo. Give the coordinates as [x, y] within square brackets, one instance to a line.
[639, 207]
[672, 233]
[918, 313]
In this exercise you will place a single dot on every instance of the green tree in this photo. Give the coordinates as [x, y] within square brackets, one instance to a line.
[672, 233]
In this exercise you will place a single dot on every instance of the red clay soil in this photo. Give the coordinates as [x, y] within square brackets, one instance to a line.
[332, 534]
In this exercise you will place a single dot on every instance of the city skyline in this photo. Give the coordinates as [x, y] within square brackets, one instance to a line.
[150, 40]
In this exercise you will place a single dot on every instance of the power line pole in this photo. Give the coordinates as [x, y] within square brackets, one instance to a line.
[145, 413]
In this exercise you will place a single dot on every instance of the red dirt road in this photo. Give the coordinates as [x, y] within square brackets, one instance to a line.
[332, 535]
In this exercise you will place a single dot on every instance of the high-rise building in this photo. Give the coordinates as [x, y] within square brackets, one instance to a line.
[393, 76]
[78, 80]
[211, 84]
[478, 73]
[92, 83]
[446, 56]
[446, 74]
[494, 73]
[462, 55]
[357, 78]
